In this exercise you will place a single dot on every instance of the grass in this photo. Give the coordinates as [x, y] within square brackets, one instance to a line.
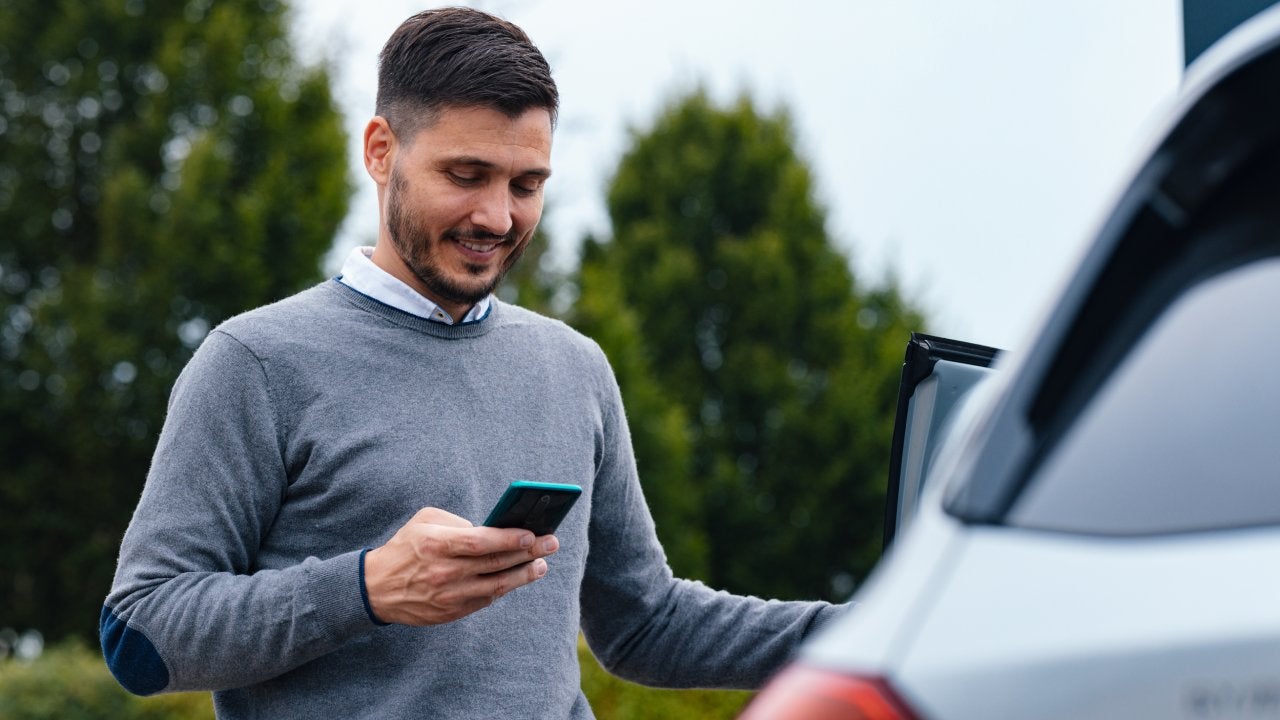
[615, 699]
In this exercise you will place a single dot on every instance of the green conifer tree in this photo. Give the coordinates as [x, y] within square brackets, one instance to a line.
[756, 336]
[163, 165]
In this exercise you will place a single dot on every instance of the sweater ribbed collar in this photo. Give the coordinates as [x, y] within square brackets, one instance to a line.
[413, 322]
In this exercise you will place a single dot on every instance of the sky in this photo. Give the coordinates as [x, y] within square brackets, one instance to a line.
[967, 149]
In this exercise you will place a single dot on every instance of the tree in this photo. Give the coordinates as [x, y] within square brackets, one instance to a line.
[162, 167]
[660, 430]
[748, 322]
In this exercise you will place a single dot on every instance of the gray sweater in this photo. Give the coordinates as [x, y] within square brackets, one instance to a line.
[306, 431]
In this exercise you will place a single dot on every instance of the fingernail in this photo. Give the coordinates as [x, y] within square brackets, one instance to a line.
[550, 545]
[539, 567]
[526, 541]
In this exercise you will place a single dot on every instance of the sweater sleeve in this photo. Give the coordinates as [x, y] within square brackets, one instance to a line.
[647, 626]
[189, 608]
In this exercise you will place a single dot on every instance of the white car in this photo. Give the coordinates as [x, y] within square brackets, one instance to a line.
[1098, 535]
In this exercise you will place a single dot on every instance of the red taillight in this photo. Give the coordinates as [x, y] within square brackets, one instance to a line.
[805, 693]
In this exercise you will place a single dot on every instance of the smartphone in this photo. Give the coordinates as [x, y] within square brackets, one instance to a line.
[537, 506]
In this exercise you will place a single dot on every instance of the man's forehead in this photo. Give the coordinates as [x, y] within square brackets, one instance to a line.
[486, 137]
[480, 118]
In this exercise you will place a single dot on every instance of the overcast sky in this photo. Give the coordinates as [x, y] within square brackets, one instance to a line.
[968, 147]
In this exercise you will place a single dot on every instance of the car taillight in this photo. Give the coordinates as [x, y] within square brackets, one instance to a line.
[805, 693]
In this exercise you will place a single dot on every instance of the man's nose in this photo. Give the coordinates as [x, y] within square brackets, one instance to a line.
[492, 210]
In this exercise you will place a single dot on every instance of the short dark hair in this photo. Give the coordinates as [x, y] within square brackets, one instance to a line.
[464, 57]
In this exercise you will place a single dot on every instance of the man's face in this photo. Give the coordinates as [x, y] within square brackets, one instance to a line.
[463, 199]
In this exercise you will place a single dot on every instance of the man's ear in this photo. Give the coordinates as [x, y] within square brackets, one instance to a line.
[379, 149]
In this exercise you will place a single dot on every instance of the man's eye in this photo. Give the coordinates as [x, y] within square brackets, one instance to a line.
[463, 180]
[526, 189]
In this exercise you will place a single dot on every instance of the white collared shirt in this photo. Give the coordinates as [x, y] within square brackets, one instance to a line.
[360, 274]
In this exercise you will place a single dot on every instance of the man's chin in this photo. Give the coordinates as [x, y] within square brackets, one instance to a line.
[463, 295]
[463, 284]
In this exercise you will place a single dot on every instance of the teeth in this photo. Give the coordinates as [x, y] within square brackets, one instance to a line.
[477, 248]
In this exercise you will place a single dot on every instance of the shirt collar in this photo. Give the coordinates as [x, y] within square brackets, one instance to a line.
[360, 274]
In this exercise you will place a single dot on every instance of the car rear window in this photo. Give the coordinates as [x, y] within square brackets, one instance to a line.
[1184, 434]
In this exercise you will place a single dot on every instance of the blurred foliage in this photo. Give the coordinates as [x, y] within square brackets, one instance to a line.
[162, 167]
[661, 434]
[617, 699]
[70, 682]
[534, 282]
[760, 378]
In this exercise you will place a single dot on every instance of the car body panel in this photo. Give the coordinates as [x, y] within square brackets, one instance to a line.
[1096, 627]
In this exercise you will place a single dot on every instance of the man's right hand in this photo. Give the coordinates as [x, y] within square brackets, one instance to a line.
[439, 567]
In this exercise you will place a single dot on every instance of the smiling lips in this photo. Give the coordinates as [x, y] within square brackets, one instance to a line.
[479, 247]
[477, 241]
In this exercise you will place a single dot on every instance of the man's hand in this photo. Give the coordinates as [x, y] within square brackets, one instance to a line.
[438, 568]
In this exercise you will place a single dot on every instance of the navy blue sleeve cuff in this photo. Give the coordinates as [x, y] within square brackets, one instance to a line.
[364, 591]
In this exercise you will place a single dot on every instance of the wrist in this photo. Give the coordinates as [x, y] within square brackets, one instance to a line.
[364, 591]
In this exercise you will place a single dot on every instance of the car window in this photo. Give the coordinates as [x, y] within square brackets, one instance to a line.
[1184, 434]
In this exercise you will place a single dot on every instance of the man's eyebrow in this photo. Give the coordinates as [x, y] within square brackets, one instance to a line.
[543, 172]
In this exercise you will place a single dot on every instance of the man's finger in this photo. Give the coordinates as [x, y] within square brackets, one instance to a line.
[436, 516]
[497, 562]
[495, 585]
[482, 541]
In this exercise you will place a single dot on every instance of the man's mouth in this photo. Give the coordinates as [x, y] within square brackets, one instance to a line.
[476, 241]
[477, 246]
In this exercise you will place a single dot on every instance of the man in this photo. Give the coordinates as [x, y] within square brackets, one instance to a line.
[304, 544]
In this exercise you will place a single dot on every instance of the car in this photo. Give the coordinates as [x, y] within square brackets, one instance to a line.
[1093, 531]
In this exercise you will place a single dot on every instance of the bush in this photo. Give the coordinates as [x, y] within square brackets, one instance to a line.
[71, 682]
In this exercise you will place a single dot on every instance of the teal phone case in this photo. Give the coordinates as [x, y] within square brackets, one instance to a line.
[536, 506]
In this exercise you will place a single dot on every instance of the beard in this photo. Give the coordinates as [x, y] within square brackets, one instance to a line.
[419, 252]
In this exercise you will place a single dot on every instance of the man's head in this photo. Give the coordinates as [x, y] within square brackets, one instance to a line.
[460, 57]
[460, 150]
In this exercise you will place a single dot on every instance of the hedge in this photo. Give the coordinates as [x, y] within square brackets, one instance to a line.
[71, 682]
